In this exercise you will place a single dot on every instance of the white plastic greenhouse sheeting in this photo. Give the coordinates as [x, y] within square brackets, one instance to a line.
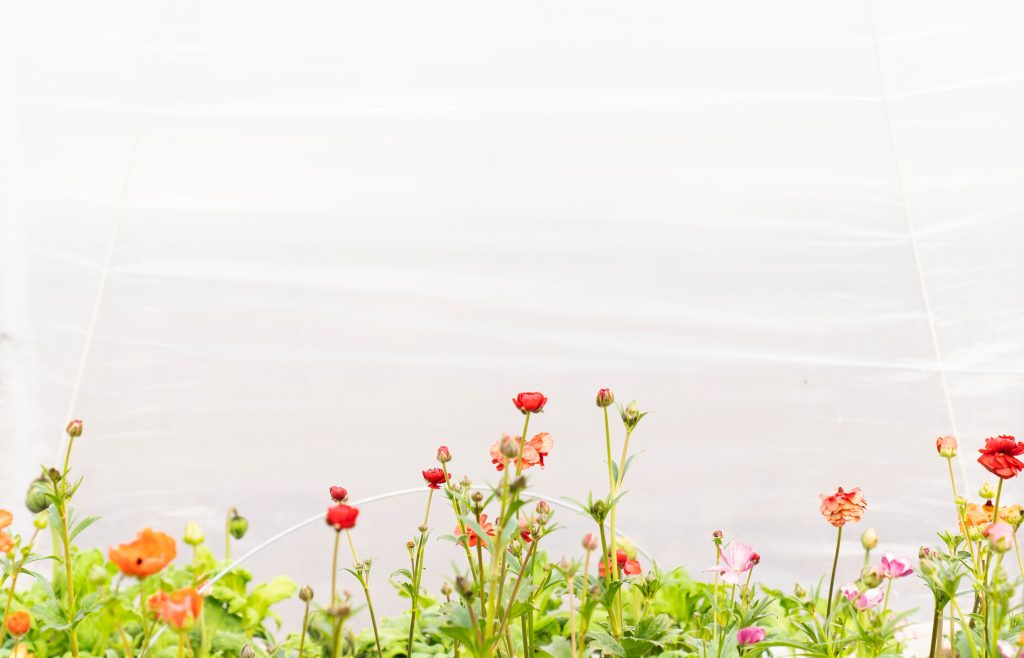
[263, 248]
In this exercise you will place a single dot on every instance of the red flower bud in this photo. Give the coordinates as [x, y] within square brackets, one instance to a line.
[74, 428]
[589, 542]
[435, 477]
[530, 402]
[339, 494]
[444, 455]
[342, 517]
[605, 397]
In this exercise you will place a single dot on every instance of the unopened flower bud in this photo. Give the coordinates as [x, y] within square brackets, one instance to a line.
[444, 455]
[97, 575]
[1014, 515]
[928, 567]
[466, 482]
[960, 502]
[41, 520]
[509, 447]
[869, 540]
[74, 428]
[594, 591]
[464, 586]
[589, 542]
[306, 594]
[339, 494]
[37, 497]
[422, 528]
[193, 534]
[543, 508]
[605, 397]
[717, 536]
[565, 564]
[247, 652]
[631, 412]
[872, 576]
[925, 553]
[53, 474]
[411, 545]
[340, 611]
[237, 524]
[946, 446]
[987, 490]
[446, 589]
[798, 591]
[477, 497]
[518, 484]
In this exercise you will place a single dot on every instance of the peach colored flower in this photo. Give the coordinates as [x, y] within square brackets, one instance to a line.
[6, 542]
[150, 552]
[177, 608]
[843, 507]
[534, 451]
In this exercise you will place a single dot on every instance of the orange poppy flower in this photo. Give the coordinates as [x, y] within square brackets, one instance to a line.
[18, 623]
[179, 609]
[149, 553]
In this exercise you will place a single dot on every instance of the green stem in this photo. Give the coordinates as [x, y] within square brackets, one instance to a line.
[522, 444]
[334, 567]
[832, 579]
[418, 573]
[305, 624]
[966, 629]
[66, 537]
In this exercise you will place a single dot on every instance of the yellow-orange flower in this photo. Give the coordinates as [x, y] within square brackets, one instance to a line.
[18, 623]
[843, 506]
[150, 552]
[6, 542]
[979, 516]
[21, 651]
[179, 609]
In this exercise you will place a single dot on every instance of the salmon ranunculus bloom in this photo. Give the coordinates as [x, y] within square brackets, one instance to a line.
[149, 553]
[534, 451]
[530, 402]
[843, 507]
[472, 538]
[179, 608]
[6, 542]
[18, 623]
[999, 456]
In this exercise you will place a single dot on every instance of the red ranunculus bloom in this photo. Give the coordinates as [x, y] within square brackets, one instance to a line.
[626, 565]
[471, 535]
[342, 517]
[999, 456]
[339, 494]
[530, 402]
[435, 477]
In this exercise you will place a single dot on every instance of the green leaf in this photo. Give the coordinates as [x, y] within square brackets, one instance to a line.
[606, 642]
[559, 647]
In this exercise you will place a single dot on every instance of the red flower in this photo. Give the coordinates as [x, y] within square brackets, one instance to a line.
[471, 535]
[999, 456]
[444, 455]
[435, 477]
[179, 608]
[342, 517]
[339, 494]
[626, 565]
[530, 402]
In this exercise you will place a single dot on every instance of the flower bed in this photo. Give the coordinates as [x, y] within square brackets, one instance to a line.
[506, 597]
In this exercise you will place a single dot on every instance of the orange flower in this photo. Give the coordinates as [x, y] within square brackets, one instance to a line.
[843, 506]
[20, 650]
[6, 542]
[18, 623]
[534, 451]
[979, 516]
[472, 537]
[149, 553]
[179, 609]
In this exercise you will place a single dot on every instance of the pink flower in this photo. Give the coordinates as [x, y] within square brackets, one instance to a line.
[850, 591]
[946, 446]
[893, 567]
[1007, 650]
[737, 558]
[534, 451]
[749, 635]
[1000, 536]
[905, 634]
[869, 598]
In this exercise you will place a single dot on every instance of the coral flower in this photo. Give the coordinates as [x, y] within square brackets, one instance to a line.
[179, 608]
[750, 635]
[6, 542]
[946, 446]
[18, 623]
[471, 535]
[843, 506]
[339, 494]
[530, 402]
[869, 598]
[534, 451]
[893, 567]
[736, 558]
[149, 553]
[626, 565]
[342, 517]
[435, 477]
[999, 456]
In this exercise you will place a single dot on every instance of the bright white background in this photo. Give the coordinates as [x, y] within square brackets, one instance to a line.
[263, 248]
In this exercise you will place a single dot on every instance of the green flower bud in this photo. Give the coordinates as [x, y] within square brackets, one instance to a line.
[987, 490]
[237, 525]
[194, 534]
[37, 497]
[306, 594]
[41, 520]
[869, 540]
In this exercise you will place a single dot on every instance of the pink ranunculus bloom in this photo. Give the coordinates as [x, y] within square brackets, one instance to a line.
[869, 598]
[737, 558]
[850, 591]
[750, 635]
[1000, 536]
[904, 635]
[894, 567]
[1007, 649]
